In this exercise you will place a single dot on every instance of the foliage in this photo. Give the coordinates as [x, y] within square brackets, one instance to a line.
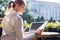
[3, 3]
[52, 20]
[26, 25]
[2, 15]
[40, 19]
[28, 18]
[52, 25]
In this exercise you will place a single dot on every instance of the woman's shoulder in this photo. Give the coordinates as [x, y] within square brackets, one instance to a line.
[19, 18]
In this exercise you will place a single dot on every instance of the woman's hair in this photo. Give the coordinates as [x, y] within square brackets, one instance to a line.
[14, 3]
[11, 4]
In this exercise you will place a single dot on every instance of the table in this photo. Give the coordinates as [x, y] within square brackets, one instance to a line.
[44, 35]
[47, 34]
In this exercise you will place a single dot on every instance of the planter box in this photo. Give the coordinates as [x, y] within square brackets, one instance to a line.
[52, 30]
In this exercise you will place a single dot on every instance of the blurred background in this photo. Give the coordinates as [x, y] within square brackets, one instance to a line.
[37, 11]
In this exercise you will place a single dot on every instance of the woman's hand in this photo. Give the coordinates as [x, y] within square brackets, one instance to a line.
[38, 32]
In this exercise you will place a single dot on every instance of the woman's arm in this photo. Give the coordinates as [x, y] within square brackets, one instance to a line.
[19, 29]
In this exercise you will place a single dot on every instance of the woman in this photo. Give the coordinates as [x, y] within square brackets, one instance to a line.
[12, 23]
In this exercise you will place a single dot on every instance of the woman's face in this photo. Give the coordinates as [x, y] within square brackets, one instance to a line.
[20, 9]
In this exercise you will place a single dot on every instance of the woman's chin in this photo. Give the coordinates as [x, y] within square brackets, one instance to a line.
[21, 14]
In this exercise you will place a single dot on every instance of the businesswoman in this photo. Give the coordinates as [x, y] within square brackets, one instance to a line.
[12, 23]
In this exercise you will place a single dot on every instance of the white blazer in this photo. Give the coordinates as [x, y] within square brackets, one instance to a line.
[12, 25]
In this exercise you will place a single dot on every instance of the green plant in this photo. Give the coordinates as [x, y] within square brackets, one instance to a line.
[26, 25]
[52, 25]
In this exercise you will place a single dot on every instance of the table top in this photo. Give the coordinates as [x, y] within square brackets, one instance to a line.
[44, 34]
[49, 33]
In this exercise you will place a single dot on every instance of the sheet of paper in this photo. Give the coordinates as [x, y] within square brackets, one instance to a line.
[43, 26]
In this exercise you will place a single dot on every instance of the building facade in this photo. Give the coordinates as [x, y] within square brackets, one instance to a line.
[45, 9]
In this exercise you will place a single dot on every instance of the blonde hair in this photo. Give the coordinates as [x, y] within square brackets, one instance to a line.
[12, 4]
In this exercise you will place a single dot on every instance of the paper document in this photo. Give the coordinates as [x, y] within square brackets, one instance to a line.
[43, 26]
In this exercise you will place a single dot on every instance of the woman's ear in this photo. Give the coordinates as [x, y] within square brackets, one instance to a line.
[16, 7]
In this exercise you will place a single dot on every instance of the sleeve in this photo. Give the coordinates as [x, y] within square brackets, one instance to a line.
[19, 29]
[30, 36]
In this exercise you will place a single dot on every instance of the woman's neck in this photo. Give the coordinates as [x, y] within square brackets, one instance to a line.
[9, 11]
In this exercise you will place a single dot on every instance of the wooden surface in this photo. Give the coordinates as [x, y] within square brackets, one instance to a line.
[44, 35]
[48, 34]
